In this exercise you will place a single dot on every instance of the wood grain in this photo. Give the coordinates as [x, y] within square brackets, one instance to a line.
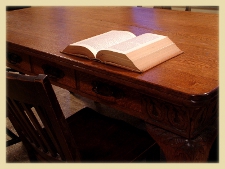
[193, 73]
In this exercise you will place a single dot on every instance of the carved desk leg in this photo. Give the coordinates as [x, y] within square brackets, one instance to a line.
[180, 149]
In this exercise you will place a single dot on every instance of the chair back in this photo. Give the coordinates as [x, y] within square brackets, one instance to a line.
[34, 111]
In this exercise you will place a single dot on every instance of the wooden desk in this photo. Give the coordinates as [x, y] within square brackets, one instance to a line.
[178, 99]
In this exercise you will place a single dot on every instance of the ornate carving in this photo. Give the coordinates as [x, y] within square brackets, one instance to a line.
[177, 148]
[155, 110]
[177, 117]
[187, 121]
[166, 115]
[201, 116]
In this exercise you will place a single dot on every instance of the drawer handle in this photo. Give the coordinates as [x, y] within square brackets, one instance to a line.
[105, 89]
[53, 72]
[13, 58]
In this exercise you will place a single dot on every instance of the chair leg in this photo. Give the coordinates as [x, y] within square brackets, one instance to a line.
[15, 139]
[188, 8]
[163, 7]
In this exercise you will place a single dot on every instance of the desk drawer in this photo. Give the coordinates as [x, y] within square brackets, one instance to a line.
[58, 74]
[110, 93]
[18, 60]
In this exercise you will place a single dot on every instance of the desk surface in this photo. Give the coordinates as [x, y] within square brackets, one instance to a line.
[191, 76]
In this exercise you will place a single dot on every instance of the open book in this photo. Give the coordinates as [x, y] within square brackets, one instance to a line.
[124, 49]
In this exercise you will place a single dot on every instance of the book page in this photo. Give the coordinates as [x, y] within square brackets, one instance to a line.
[105, 40]
[136, 43]
[140, 53]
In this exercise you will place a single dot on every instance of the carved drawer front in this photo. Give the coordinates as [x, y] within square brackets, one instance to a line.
[18, 60]
[58, 74]
[110, 93]
[182, 120]
[168, 116]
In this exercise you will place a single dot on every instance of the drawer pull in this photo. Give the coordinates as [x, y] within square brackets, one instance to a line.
[13, 58]
[105, 89]
[53, 72]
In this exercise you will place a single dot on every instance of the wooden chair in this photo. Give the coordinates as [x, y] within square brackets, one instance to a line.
[86, 136]
[187, 8]
[14, 138]
[163, 7]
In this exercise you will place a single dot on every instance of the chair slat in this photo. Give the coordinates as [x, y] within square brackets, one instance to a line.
[40, 131]
[52, 141]
[21, 120]
[27, 124]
